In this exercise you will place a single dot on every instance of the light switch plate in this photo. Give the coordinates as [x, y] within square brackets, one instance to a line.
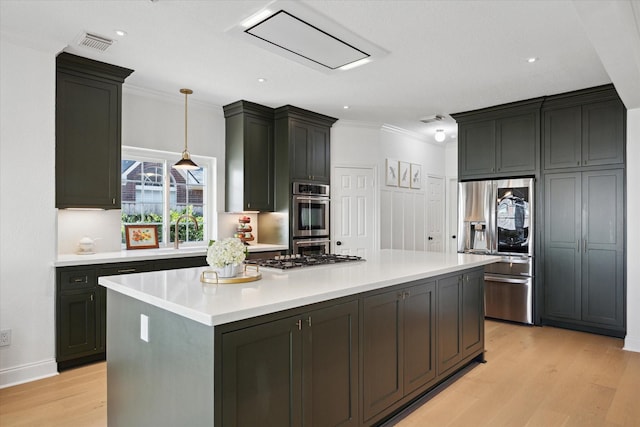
[144, 328]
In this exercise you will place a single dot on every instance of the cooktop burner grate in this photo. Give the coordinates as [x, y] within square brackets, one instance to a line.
[286, 262]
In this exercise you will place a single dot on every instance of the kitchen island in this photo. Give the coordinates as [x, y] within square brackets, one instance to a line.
[344, 344]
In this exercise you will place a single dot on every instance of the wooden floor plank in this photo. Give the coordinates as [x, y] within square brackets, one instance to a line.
[534, 377]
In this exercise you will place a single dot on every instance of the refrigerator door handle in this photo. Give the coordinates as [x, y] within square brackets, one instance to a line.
[503, 279]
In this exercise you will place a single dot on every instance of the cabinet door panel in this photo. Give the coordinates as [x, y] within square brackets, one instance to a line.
[472, 312]
[258, 167]
[382, 343]
[419, 336]
[517, 141]
[449, 323]
[260, 379]
[77, 328]
[603, 258]
[330, 372]
[603, 133]
[300, 154]
[562, 271]
[87, 143]
[562, 138]
[478, 147]
[319, 155]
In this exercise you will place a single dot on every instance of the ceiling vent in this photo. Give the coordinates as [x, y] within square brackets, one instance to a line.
[432, 119]
[93, 41]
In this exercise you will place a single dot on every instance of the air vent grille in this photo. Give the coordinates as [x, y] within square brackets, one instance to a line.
[95, 42]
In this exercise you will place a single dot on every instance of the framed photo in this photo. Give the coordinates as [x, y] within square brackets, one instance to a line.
[405, 174]
[416, 175]
[141, 236]
[392, 173]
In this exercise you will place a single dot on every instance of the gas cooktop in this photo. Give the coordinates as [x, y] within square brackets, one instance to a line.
[286, 262]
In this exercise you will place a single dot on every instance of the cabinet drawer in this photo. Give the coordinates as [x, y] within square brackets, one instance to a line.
[79, 279]
[116, 269]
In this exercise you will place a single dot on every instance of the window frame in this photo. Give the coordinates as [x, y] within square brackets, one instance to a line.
[208, 196]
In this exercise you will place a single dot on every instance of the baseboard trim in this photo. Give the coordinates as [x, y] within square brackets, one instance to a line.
[27, 373]
[631, 344]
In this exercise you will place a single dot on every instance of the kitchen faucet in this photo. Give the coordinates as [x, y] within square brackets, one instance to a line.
[176, 240]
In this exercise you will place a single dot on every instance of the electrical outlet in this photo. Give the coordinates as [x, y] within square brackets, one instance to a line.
[5, 337]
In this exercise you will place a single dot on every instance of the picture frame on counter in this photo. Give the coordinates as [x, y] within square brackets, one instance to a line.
[404, 173]
[416, 176]
[142, 236]
[391, 173]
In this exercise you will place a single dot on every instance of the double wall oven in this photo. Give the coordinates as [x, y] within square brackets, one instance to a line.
[310, 218]
[497, 218]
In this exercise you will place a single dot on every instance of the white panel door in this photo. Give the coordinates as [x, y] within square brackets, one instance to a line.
[452, 216]
[353, 206]
[435, 214]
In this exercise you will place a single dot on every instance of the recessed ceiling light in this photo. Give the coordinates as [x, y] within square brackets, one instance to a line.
[346, 107]
[121, 33]
[262, 80]
[532, 59]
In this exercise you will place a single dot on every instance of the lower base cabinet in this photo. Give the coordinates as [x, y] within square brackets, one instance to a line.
[398, 345]
[353, 363]
[300, 370]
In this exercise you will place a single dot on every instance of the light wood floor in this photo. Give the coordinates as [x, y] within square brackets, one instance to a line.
[533, 377]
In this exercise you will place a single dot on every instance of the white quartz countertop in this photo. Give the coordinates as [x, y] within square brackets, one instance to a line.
[66, 260]
[181, 292]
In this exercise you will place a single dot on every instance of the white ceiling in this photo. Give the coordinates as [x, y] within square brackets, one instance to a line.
[443, 56]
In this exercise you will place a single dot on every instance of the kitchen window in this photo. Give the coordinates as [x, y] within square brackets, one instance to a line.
[155, 193]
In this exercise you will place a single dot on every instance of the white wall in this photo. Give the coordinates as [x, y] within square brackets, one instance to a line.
[632, 341]
[27, 213]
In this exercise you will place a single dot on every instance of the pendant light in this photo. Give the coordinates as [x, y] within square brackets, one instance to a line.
[185, 162]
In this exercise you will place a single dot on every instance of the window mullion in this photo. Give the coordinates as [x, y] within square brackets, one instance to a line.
[166, 193]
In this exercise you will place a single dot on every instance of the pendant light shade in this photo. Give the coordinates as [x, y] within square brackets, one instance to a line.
[185, 162]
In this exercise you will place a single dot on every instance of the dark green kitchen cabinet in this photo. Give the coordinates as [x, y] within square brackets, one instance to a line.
[584, 251]
[81, 306]
[398, 345]
[460, 318]
[249, 144]
[499, 141]
[586, 128]
[88, 132]
[80, 314]
[299, 370]
[304, 144]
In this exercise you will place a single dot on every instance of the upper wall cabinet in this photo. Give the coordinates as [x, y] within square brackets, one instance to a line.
[249, 157]
[88, 131]
[585, 128]
[499, 141]
[304, 141]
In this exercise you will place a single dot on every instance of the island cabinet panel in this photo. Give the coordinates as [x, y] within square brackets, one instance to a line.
[300, 370]
[88, 132]
[584, 251]
[585, 128]
[460, 305]
[398, 345]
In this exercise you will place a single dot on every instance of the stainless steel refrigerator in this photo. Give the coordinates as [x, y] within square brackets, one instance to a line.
[497, 218]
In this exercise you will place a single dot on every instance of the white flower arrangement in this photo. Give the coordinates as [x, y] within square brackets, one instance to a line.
[229, 251]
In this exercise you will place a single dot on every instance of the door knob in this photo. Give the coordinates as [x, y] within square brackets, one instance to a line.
[430, 238]
[338, 243]
[453, 237]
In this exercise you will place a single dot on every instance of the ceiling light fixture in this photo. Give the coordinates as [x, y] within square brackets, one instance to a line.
[440, 136]
[185, 162]
[262, 80]
[346, 107]
[121, 33]
[532, 59]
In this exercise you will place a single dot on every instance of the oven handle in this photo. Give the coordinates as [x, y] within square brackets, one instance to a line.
[311, 199]
[311, 242]
[503, 279]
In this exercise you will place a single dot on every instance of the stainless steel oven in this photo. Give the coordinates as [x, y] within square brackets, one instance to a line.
[311, 246]
[310, 210]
